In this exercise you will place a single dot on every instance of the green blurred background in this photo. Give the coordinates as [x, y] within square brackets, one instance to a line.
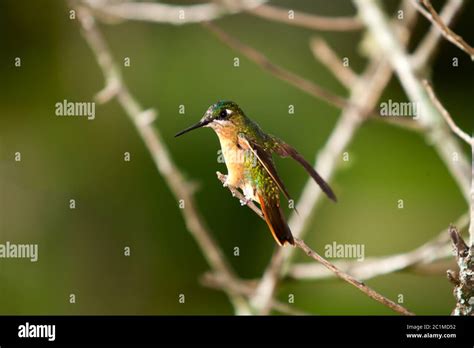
[128, 203]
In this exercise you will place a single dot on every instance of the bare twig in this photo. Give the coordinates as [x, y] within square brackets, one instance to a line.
[348, 278]
[298, 81]
[245, 288]
[165, 13]
[261, 60]
[428, 46]
[406, 123]
[434, 250]
[463, 279]
[159, 152]
[299, 243]
[430, 13]
[447, 117]
[306, 20]
[330, 59]
[436, 130]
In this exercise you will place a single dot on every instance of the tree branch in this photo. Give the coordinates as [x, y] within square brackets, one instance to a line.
[463, 279]
[437, 133]
[213, 280]
[325, 54]
[158, 150]
[430, 13]
[299, 243]
[165, 13]
[306, 20]
[298, 81]
[428, 46]
[262, 61]
[351, 280]
[447, 117]
[434, 250]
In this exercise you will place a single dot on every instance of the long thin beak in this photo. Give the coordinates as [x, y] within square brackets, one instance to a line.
[197, 125]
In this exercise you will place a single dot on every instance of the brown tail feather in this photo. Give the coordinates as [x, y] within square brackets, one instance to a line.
[276, 222]
[286, 150]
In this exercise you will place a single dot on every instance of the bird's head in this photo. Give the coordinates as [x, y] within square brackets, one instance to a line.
[220, 115]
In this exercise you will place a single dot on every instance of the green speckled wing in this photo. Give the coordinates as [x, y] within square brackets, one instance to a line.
[266, 162]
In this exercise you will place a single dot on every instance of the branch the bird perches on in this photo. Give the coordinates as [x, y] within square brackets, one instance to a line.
[299, 243]
[368, 86]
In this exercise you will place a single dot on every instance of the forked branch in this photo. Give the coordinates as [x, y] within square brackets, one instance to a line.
[426, 9]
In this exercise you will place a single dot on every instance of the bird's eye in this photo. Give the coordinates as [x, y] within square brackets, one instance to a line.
[223, 114]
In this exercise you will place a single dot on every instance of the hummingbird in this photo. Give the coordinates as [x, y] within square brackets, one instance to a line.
[247, 152]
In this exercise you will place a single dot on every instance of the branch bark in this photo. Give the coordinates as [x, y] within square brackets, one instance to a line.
[430, 43]
[164, 13]
[261, 60]
[436, 249]
[306, 20]
[351, 280]
[447, 117]
[299, 243]
[463, 279]
[430, 13]
[324, 53]
[436, 130]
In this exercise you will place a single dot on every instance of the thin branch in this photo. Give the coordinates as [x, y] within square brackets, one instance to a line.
[447, 117]
[306, 20]
[262, 61]
[164, 13]
[158, 150]
[434, 250]
[430, 13]
[298, 81]
[325, 54]
[348, 278]
[428, 46]
[213, 280]
[299, 243]
[406, 123]
[438, 134]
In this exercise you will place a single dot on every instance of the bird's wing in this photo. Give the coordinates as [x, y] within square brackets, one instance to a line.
[265, 159]
[285, 150]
